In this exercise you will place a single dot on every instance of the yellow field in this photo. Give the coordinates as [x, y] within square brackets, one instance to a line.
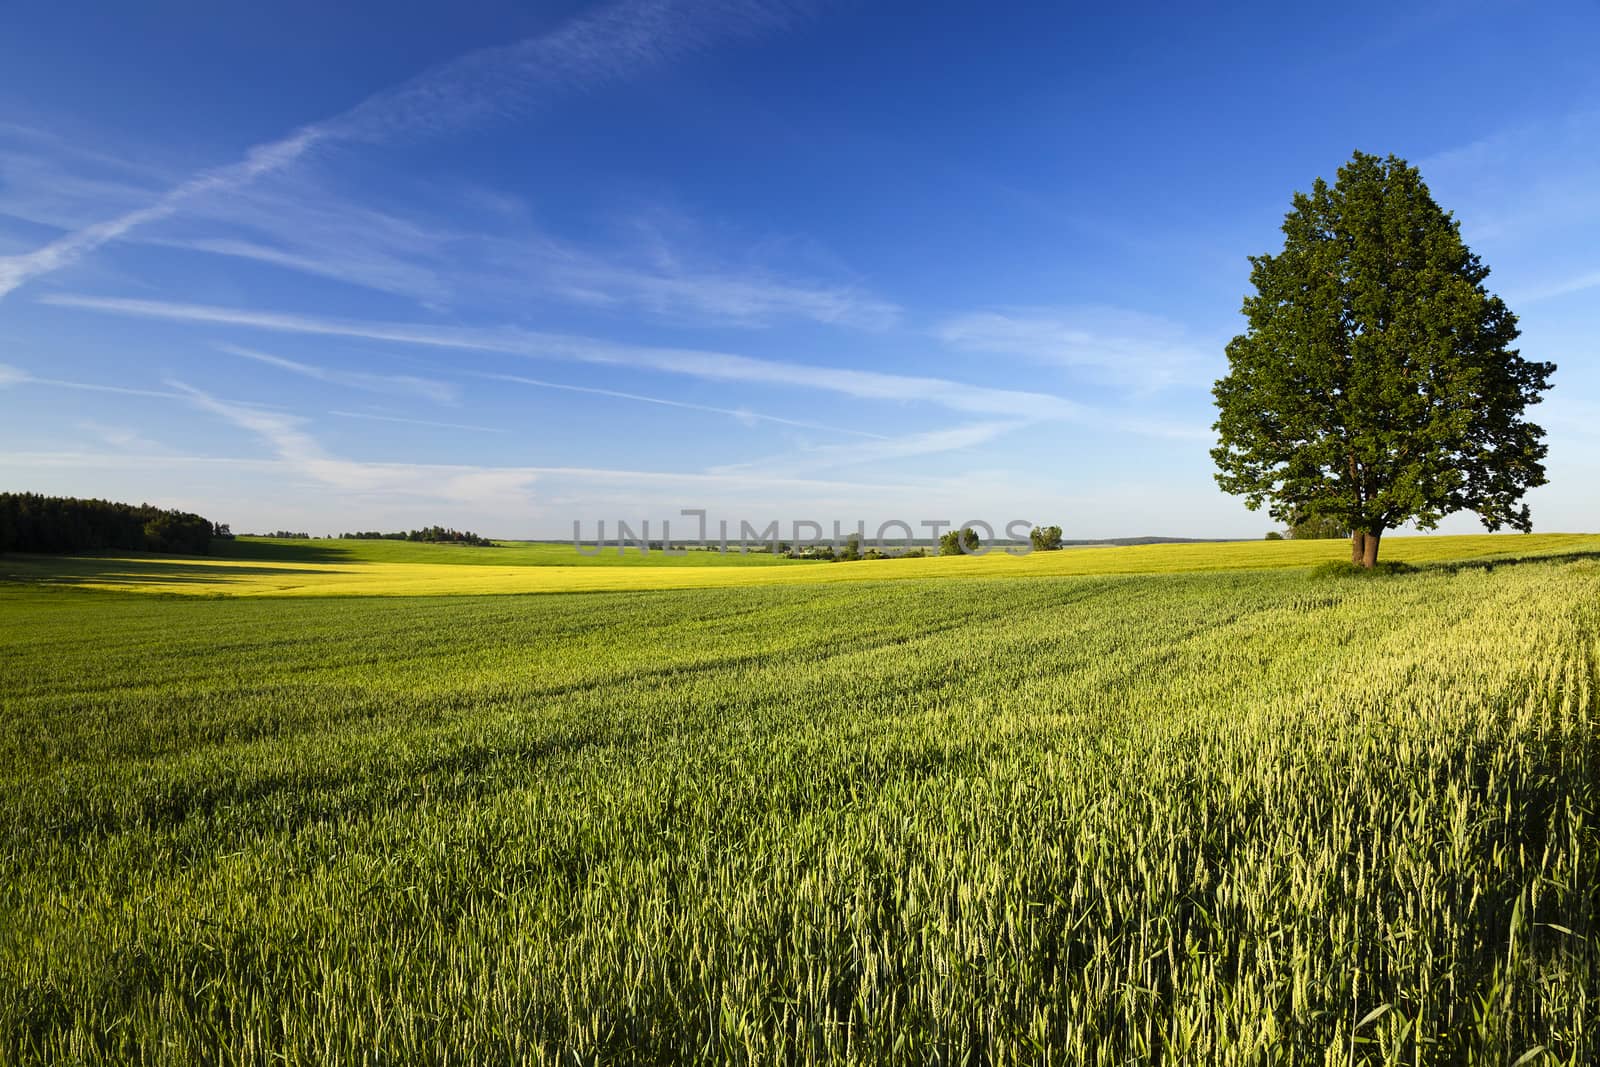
[280, 578]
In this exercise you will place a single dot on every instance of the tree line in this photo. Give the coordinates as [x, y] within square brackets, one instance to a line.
[30, 522]
[432, 535]
[951, 543]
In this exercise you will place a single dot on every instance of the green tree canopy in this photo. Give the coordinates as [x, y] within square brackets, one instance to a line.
[1376, 383]
[1045, 538]
[30, 522]
[958, 542]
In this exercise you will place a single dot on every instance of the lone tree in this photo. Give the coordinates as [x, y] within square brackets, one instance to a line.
[1376, 383]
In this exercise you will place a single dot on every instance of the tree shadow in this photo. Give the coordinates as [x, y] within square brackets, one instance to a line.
[59, 571]
[1456, 566]
[321, 551]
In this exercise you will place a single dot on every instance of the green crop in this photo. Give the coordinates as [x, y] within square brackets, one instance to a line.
[1233, 817]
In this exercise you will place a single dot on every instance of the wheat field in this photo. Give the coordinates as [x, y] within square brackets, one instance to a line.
[1229, 816]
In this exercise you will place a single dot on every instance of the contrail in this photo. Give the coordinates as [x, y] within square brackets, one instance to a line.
[586, 52]
[15, 270]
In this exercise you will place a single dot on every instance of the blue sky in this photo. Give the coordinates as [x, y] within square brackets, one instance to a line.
[507, 266]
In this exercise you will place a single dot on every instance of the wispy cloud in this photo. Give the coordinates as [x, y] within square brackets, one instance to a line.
[15, 270]
[1109, 346]
[10, 375]
[361, 256]
[1523, 181]
[418, 422]
[590, 50]
[119, 436]
[299, 452]
[713, 366]
[282, 430]
[1569, 419]
[324, 236]
[669, 289]
[742, 414]
[430, 480]
[1552, 290]
[1525, 198]
[403, 384]
[48, 182]
[908, 446]
[299, 224]
[293, 443]
[600, 47]
[452, 246]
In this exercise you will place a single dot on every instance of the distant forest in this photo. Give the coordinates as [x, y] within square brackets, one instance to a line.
[433, 535]
[30, 522]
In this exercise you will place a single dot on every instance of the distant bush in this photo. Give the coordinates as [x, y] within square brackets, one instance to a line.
[956, 542]
[1274, 535]
[30, 522]
[1045, 538]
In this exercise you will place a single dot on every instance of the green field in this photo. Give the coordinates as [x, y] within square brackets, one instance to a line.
[1186, 804]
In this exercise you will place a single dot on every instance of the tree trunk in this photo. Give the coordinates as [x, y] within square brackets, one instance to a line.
[1370, 557]
[1358, 548]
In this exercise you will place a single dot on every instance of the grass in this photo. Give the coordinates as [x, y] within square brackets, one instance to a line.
[1243, 816]
[380, 568]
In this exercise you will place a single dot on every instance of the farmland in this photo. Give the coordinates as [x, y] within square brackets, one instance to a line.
[1188, 803]
[319, 568]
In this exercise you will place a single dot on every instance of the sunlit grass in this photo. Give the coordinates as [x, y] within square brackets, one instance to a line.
[1235, 817]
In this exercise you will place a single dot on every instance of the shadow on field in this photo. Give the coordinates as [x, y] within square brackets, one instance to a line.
[1456, 566]
[280, 551]
[133, 571]
[1342, 570]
